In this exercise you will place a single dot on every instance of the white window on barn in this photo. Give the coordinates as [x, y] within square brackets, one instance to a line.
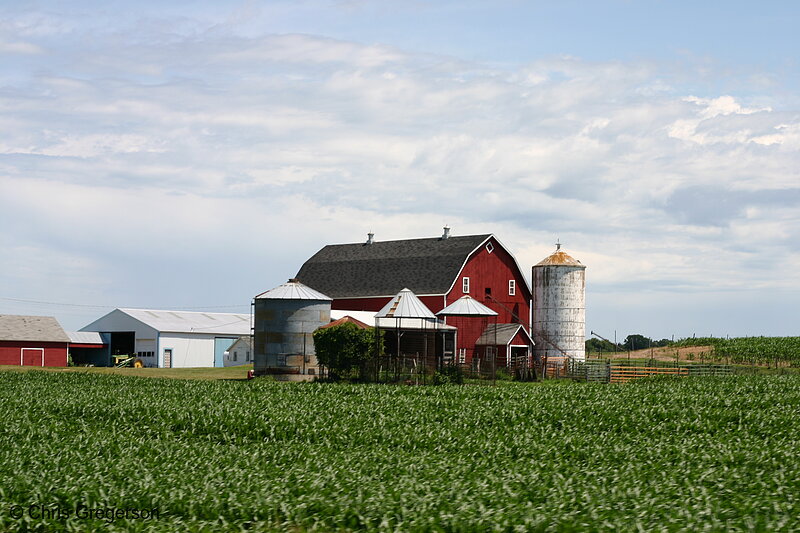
[489, 247]
[248, 356]
[462, 356]
[512, 287]
[465, 285]
[235, 355]
[282, 359]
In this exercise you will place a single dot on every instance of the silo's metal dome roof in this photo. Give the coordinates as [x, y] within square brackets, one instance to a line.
[560, 258]
[292, 290]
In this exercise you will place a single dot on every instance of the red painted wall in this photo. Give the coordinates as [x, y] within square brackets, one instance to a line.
[490, 270]
[486, 270]
[55, 353]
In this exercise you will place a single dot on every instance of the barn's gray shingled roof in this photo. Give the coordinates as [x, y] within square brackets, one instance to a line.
[426, 266]
[31, 328]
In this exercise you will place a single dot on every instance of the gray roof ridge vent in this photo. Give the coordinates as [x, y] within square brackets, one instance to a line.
[446, 234]
[370, 238]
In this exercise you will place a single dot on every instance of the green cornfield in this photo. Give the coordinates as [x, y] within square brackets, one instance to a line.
[751, 350]
[682, 454]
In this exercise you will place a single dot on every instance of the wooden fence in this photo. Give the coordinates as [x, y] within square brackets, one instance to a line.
[619, 372]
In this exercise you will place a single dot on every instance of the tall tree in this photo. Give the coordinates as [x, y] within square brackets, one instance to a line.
[636, 342]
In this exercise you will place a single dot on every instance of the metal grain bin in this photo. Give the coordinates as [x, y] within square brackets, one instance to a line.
[284, 320]
[559, 307]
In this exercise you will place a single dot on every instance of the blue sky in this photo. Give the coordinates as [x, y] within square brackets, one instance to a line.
[190, 155]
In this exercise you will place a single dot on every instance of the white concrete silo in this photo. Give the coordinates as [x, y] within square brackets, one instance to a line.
[559, 307]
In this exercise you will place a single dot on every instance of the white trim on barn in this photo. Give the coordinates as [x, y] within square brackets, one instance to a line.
[22, 355]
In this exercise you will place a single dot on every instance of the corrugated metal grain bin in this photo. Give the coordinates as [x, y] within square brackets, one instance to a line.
[285, 319]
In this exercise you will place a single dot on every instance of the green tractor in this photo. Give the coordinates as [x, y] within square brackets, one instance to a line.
[130, 361]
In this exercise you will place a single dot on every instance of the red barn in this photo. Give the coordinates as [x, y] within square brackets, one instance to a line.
[32, 341]
[440, 270]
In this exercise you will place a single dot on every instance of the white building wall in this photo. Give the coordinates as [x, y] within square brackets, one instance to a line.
[147, 350]
[240, 353]
[188, 349]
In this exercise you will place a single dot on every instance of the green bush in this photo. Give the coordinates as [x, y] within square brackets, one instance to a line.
[344, 349]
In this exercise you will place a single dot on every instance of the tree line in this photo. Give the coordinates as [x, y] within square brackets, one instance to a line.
[634, 341]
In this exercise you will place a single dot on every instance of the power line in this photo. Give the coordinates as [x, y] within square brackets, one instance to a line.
[178, 307]
[39, 302]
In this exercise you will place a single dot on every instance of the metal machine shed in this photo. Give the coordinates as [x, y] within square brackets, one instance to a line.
[172, 338]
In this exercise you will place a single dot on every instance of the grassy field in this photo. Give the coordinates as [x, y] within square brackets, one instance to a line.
[776, 352]
[690, 454]
[233, 372]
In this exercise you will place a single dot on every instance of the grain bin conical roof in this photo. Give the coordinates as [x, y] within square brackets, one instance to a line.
[466, 306]
[292, 290]
[405, 304]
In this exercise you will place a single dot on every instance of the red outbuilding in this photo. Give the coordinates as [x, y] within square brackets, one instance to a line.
[32, 341]
[440, 270]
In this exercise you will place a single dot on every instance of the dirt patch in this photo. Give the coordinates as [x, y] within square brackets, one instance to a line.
[666, 353]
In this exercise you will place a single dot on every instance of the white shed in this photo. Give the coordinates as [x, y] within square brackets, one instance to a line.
[240, 352]
[172, 339]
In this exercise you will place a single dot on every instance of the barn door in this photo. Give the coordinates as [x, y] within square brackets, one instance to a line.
[221, 345]
[32, 357]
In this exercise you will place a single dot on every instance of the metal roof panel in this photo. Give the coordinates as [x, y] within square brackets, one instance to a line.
[405, 305]
[292, 290]
[466, 306]
[85, 337]
[192, 322]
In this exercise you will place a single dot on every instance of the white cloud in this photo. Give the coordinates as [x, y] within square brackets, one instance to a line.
[20, 47]
[304, 50]
[275, 145]
[86, 146]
